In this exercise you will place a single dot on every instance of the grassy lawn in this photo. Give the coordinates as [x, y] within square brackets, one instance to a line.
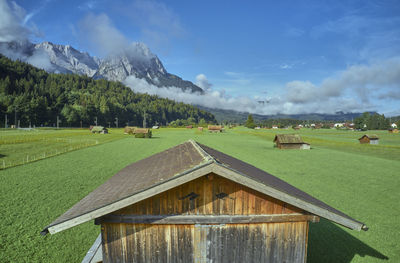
[24, 146]
[360, 180]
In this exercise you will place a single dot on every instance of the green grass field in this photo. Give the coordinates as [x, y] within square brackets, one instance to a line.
[360, 180]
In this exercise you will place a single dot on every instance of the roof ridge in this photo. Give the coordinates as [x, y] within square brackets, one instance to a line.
[206, 156]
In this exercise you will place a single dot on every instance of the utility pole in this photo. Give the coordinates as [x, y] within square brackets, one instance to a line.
[95, 120]
[6, 122]
[109, 124]
[116, 121]
[81, 124]
[58, 122]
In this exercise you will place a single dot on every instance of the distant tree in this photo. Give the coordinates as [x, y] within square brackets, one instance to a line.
[250, 122]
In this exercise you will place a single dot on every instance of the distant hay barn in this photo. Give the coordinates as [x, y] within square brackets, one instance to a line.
[189, 127]
[99, 129]
[290, 141]
[142, 133]
[129, 129]
[369, 139]
[393, 130]
[215, 128]
[200, 128]
[192, 203]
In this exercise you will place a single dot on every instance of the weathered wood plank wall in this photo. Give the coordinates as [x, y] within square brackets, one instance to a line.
[208, 195]
[264, 242]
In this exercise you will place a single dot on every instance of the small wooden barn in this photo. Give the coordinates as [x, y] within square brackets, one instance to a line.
[99, 129]
[215, 128]
[192, 203]
[142, 133]
[189, 127]
[290, 141]
[369, 139]
[129, 129]
[393, 130]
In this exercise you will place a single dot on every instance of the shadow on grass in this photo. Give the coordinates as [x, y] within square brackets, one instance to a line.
[328, 242]
[2, 155]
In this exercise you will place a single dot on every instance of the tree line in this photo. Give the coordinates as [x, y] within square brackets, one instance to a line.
[35, 97]
[374, 121]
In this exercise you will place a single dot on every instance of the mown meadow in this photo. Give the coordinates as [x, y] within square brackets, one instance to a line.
[360, 180]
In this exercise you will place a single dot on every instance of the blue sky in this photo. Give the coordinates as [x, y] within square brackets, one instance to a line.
[300, 56]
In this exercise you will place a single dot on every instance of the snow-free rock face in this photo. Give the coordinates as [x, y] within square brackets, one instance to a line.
[69, 59]
[137, 60]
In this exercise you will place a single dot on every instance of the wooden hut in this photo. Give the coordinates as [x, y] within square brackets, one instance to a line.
[393, 130]
[142, 133]
[290, 141]
[200, 128]
[192, 203]
[129, 129]
[215, 128]
[99, 129]
[369, 139]
[189, 127]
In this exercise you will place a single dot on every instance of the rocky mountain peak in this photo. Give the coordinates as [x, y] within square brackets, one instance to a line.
[136, 60]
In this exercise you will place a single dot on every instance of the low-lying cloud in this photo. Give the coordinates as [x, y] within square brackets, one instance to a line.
[350, 91]
[359, 81]
[202, 82]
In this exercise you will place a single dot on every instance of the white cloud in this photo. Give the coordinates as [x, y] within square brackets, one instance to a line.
[11, 18]
[348, 91]
[156, 22]
[202, 82]
[285, 66]
[13, 29]
[99, 32]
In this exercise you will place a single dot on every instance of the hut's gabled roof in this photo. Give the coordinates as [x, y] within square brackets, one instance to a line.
[288, 138]
[181, 164]
[98, 128]
[370, 136]
[141, 130]
[215, 127]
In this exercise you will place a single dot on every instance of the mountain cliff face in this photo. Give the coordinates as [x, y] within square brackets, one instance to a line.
[137, 60]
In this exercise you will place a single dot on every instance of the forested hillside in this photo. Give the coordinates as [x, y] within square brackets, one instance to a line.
[39, 97]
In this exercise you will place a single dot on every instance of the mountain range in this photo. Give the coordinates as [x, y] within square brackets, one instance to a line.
[136, 60]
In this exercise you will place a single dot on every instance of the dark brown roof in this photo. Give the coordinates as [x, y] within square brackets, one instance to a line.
[137, 177]
[265, 178]
[370, 136]
[178, 162]
[288, 138]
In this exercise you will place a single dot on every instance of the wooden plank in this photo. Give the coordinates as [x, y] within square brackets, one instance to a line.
[93, 252]
[204, 219]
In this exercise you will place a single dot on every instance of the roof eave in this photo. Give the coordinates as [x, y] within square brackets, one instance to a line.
[184, 177]
[240, 178]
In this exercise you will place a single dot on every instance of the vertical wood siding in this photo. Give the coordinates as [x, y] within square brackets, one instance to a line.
[265, 242]
[208, 195]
